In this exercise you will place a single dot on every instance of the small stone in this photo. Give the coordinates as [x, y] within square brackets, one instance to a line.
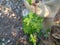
[8, 41]
[25, 12]
[0, 14]
[3, 39]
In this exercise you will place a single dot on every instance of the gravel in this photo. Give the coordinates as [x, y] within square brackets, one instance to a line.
[11, 21]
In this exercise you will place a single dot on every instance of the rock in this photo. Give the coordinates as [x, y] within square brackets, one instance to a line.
[55, 35]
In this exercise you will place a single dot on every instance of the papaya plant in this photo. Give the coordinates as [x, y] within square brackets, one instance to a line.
[32, 24]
